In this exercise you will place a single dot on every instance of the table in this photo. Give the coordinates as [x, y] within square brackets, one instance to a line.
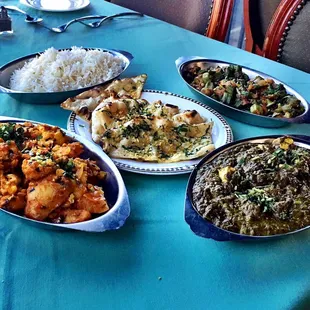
[154, 261]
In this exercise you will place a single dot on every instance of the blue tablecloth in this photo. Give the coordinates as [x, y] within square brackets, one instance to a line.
[154, 261]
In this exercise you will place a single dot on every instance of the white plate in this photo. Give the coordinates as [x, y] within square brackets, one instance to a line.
[221, 134]
[56, 5]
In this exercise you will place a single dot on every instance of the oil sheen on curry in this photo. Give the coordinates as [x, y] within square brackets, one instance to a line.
[256, 189]
[43, 177]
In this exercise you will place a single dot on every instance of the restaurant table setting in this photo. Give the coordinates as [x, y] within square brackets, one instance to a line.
[151, 247]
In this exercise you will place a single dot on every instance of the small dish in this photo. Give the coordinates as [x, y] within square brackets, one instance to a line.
[184, 63]
[52, 97]
[56, 5]
[221, 134]
[115, 193]
[204, 228]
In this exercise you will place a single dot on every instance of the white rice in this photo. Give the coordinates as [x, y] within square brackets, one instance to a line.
[55, 71]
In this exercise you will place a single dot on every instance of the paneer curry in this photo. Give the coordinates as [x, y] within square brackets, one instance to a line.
[256, 189]
[43, 177]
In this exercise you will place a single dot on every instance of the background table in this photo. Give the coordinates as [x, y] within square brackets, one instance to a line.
[154, 261]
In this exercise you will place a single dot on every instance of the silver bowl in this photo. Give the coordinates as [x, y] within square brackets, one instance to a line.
[185, 63]
[50, 97]
[113, 186]
[204, 228]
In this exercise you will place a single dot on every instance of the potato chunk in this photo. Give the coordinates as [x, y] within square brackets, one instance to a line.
[69, 216]
[15, 202]
[93, 201]
[46, 195]
[75, 216]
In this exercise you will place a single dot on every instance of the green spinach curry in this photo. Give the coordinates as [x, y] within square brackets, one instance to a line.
[256, 189]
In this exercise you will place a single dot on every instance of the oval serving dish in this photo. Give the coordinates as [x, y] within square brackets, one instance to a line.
[113, 186]
[221, 134]
[51, 97]
[185, 63]
[204, 228]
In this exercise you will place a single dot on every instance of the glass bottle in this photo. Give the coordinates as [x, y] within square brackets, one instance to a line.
[5, 22]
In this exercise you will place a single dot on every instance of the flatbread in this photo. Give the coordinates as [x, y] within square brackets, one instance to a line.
[85, 103]
[137, 129]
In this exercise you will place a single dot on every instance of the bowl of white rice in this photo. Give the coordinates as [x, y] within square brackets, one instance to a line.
[54, 75]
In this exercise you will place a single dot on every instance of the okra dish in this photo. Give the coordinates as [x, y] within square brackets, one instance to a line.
[43, 177]
[256, 189]
[233, 87]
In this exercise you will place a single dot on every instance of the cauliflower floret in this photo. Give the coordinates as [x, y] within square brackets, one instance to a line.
[93, 200]
[9, 184]
[47, 135]
[38, 167]
[9, 156]
[67, 150]
[87, 171]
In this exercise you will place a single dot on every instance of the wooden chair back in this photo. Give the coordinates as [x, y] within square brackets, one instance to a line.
[288, 37]
[257, 17]
[207, 17]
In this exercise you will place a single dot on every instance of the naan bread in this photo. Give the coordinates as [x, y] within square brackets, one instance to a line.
[85, 103]
[128, 87]
[137, 129]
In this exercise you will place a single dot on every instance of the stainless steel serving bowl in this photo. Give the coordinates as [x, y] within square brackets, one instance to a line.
[50, 97]
[113, 186]
[204, 228]
[185, 63]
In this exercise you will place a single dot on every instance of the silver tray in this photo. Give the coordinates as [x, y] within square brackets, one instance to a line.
[204, 228]
[184, 63]
[51, 97]
[113, 186]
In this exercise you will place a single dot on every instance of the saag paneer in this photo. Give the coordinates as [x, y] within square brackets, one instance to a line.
[256, 189]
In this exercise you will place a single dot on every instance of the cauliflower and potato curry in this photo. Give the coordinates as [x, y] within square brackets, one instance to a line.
[43, 178]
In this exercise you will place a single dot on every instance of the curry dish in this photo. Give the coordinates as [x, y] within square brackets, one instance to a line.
[256, 189]
[43, 178]
[233, 87]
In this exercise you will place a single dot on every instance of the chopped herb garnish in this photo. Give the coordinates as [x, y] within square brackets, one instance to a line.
[68, 167]
[135, 130]
[241, 161]
[131, 148]
[181, 128]
[163, 155]
[259, 197]
[187, 152]
[10, 132]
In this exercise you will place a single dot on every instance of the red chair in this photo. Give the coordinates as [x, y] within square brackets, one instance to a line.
[257, 17]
